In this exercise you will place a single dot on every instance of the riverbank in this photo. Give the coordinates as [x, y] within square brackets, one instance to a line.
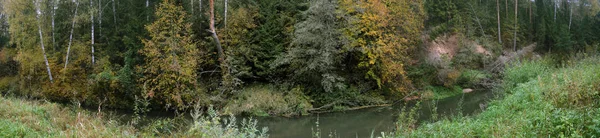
[36, 118]
[542, 98]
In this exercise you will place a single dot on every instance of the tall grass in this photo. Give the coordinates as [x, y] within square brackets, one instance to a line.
[543, 101]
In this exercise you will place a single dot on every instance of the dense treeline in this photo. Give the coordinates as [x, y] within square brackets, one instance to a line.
[556, 25]
[178, 53]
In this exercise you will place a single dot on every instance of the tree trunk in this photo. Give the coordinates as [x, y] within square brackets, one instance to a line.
[38, 12]
[225, 21]
[114, 9]
[71, 36]
[92, 16]
[506, 7]
[192, 4]
[570, 14]
[498, 11]
[555, 5]
[100, 9]
[214, 32]
[54, 4]
[148, 14]
[516, 22]
[530, 13]
[200, 6]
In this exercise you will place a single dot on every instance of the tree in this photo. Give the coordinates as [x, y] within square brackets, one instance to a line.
[92, 30]
[498, 12]
[382, 33]
[214, 34]
[71, 35]
[169, 72]
[39, 14]
[516, 22]
[314, 54]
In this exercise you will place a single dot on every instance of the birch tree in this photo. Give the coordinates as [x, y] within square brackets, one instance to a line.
[147, 9]
[570, 14]
[214, 32]
[39, 14]
[225, 15]
[71, 35]
[54, 4]
[92, 19]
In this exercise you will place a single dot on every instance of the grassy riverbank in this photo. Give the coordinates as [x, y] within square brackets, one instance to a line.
[542, 98]
[35, 118]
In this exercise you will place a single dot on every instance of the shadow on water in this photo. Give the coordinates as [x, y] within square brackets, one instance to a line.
[361, 123]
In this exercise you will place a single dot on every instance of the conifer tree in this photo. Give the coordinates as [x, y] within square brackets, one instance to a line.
[169, 73]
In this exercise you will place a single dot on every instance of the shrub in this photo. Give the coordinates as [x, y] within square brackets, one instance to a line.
[470, 78]
[267, 100]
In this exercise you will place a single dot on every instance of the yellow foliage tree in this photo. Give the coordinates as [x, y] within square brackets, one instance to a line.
[384, 31]
[169, 73]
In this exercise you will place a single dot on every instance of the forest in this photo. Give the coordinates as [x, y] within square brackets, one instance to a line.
[297, 58]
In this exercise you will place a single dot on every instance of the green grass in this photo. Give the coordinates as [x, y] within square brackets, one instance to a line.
[35, 118]
[541, 101]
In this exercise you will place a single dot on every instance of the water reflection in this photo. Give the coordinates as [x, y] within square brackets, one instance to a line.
[361, 123]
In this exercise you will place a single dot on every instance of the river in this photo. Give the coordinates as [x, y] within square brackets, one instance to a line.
[361, 123]
[356, 123]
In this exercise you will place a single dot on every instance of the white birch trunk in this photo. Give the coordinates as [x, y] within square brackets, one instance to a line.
[39, 12]
[192, 4]
[200, 6]
[570, 14]
[71, 36]
[147, 15]
[54, 7]
[92, 16]
[225, 21]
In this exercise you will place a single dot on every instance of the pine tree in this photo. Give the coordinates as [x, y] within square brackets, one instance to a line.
[314, 53]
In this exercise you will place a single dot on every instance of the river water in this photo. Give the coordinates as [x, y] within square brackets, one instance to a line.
[356, 123]
[361, 123]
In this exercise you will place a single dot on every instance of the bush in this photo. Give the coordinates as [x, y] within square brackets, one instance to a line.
[470, 78]
[260, 100]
